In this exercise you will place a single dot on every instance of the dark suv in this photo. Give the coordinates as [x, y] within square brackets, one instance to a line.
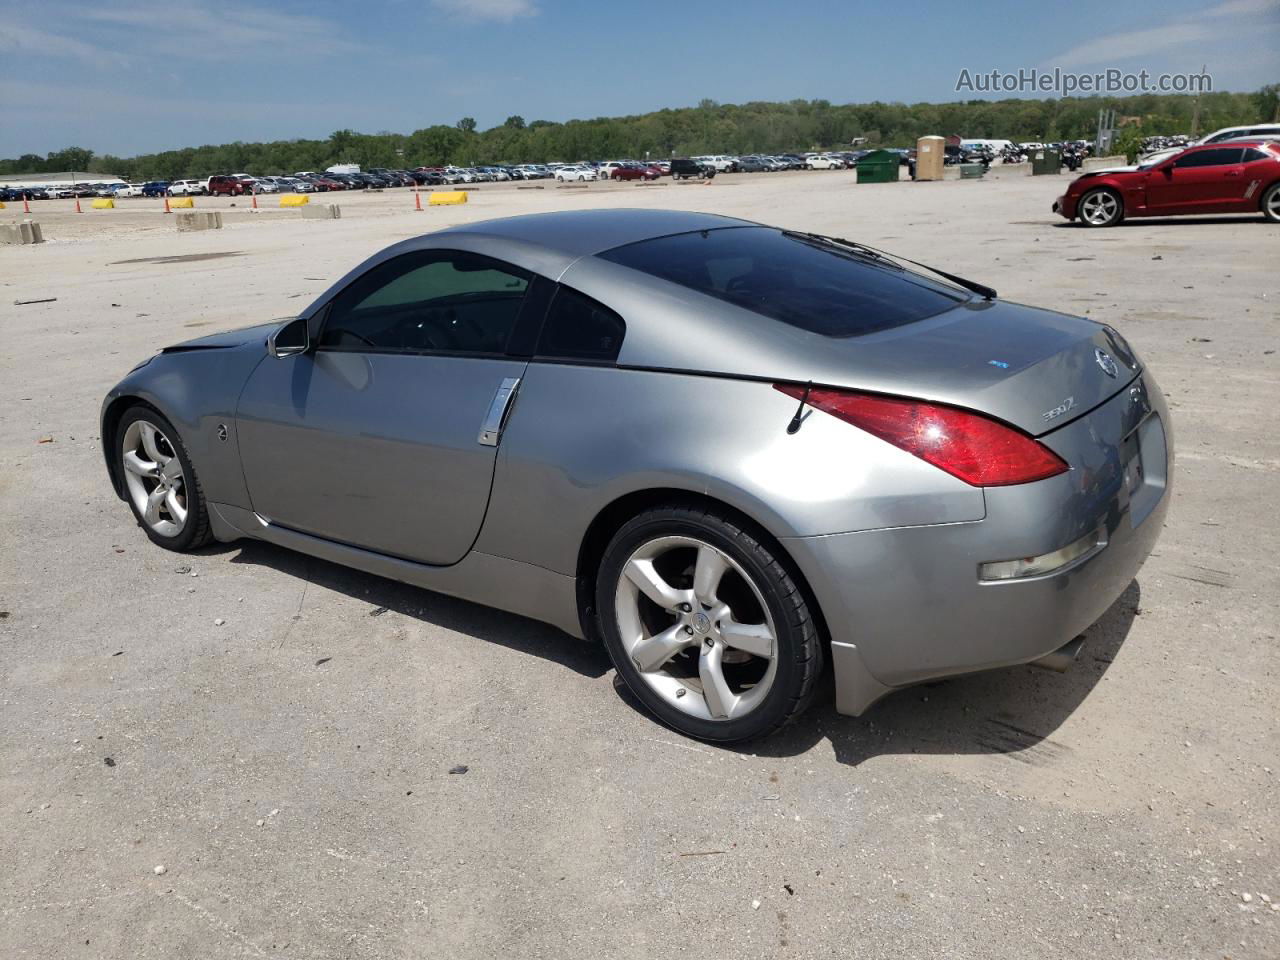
[682, 168]
[223, 186]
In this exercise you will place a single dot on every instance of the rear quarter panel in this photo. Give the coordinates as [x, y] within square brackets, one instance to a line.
[580, 437]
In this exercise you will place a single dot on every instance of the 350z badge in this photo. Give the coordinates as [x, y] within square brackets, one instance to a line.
[1059, 410]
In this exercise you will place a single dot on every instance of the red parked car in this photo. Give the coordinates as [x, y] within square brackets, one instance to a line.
[224, 186]
[1240, 176]
[636, 172]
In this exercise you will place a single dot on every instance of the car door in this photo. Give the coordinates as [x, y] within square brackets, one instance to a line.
[384, 436]
[1198, 181]
[1258, 168]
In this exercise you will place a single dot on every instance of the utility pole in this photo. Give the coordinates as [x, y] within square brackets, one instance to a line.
[1195, 111]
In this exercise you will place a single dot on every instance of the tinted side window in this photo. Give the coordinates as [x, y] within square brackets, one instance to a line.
[1251, 155]
[431, 301]
[1210, 158]
[579, 328]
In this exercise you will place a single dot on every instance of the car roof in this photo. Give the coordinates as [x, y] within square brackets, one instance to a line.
[1234, 142]
[581, 233]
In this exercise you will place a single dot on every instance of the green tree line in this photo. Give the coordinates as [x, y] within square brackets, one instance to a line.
[709, 127]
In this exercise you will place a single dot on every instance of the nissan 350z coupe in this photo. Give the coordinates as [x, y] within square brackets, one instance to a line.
[735, 454]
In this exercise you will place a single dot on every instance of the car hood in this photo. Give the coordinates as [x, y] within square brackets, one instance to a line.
[227, 339]
[1102, 173]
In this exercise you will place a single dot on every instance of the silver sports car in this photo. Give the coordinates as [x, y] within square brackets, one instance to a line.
[732, 453]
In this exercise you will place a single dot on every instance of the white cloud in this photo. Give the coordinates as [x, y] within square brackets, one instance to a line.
[122, 34]
[1235, 8]
[18, 39]
[1126, 46]
[1223, 20]
[503, 11]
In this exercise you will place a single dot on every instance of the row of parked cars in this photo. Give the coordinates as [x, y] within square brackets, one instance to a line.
[240, 184]
[379, 178]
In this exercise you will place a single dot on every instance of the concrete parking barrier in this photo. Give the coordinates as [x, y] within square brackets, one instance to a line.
[321, 211]
[199, 220]
[294, 200]
[182, 203]
[445, 197]
[1103, 163]
[28, 231]
[103, 203]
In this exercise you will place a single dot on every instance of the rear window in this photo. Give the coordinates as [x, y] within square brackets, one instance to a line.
[815, 288]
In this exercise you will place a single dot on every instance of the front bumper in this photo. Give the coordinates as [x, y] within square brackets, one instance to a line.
[905, 604]
[1065, 206]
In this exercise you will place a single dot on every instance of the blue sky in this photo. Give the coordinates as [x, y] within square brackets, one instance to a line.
[133, 76]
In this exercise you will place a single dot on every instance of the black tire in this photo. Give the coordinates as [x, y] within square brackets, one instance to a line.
[1098, 195]
[195, 532]
[799, 653]
[1271, 203]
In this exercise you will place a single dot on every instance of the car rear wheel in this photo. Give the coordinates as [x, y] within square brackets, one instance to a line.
[705, 626]
[160, 482]
[1101, 208]
[1271, 203]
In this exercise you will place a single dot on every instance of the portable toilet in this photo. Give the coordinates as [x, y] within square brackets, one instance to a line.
[930, 157]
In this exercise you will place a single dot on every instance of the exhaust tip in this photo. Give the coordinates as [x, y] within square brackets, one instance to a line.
[1061, 659]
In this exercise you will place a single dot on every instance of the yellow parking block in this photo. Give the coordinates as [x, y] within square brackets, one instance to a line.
[443, 197]
[294, 199]
[104, 203]
[181, 203]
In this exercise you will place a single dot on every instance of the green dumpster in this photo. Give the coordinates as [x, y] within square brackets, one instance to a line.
[972, 171]
[1046, 161]
[878, 166]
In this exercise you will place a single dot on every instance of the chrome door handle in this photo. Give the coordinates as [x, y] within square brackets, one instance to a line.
[496, 418]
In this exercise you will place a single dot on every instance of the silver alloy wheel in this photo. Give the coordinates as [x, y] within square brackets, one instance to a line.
[1099, 208]
[682, 647]
[153, 476]
[1273, 204]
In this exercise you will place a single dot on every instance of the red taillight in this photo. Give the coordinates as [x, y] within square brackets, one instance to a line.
[977, 449]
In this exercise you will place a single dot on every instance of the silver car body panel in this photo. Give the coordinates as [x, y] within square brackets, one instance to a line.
[373, 450]
[376, 461]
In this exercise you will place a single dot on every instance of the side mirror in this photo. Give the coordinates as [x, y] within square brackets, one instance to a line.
[289, 339]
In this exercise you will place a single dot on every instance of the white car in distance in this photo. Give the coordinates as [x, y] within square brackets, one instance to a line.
[186, 188]
[572, 174]
[824, 162]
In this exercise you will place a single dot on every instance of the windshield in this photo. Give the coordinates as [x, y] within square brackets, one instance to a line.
[817, 288]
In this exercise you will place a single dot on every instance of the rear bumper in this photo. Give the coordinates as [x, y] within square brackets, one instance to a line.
[906, 604]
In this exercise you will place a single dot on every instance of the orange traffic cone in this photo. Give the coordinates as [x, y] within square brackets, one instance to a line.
[417, 200]
[255, 199]
[166, 204]
[78, 210]
[26, 204]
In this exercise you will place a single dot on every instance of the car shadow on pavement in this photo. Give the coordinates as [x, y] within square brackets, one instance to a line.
[1014, 711]
[1237, 219]
[460, 616]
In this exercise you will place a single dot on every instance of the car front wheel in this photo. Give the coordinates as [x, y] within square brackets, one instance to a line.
[1101, 208]
[160, 482]
[706, 626]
